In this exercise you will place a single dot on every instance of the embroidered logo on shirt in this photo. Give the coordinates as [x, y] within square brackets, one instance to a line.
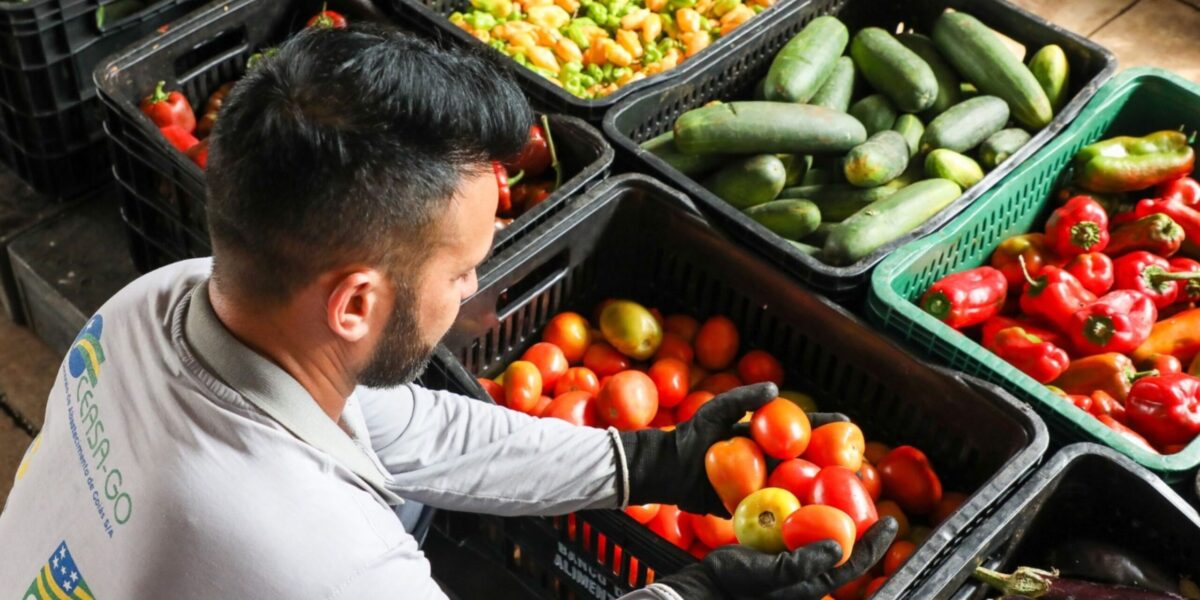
[59, 579]
[86, 352]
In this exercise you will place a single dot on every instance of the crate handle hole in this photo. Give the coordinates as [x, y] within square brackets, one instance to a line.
[210, 53]
[532, 285]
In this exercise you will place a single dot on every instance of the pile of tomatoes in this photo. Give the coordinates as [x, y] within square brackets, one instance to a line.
[786, 485]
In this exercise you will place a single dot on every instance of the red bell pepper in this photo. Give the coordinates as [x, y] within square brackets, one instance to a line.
[504, 183]
[1084, 403]
[1030, 354]
[1165, 409]
[1125, 432]
[1185, 189]
[1151, 275]
[1094, 270]
[1157, 233]
[1184, 215]
[966, 298]
[1189, 291]
[199, 154]
[527, 195]
[1031, 248]
[1111, 372]
[327, 18]
[1104, 404]
[179, 138]
[169, 109]
[1119, 322]
[997, 323]
[1053, 296]
[534, 157]
[1079, 226]
[1165, 364]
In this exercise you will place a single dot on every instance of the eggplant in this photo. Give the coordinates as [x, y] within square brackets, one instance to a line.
[1047, 585]
[1104, 562]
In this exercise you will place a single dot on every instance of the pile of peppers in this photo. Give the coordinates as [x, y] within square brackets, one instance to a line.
[529, 178]
[1101, 304]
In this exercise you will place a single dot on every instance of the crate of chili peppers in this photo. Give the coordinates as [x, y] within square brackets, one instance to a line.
[633, 312]
[1089, 524]
[785, 163]
[162, 99]
[49, 114]
[1074, 283]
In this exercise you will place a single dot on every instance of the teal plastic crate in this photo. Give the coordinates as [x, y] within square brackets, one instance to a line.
[1135, 102]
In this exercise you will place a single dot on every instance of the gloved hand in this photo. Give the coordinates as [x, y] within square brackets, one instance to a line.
[667, 467]
[807, 573]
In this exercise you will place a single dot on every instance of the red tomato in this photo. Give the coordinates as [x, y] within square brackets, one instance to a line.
[683, 326]
[758, 519]
[874, 586]
[840, 488]
[716, 343]
[664, 418]
[736, 468]
[670, 377]
[691, 404]
[643, 513]
[578, 379]
[838, 444]
[713, 530]
[698, 550]
[888, 508]
[571, 333]
[495, 390]
[604, 360]
[719, 383]
[796, 476]
[522, 386]
[628, 401]
[781, 429]
[875, 451]
[896, 555]
[947, 505]
[758, 366]
[542, 406]
[910, 481]
[578, 408]
[853, 590]
[696, 376]
[673, 346]
[671, 525]
[815, 523]
[550, 361]
[871, 481]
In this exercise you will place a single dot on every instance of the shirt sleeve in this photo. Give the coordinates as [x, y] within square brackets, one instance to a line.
[457, 453]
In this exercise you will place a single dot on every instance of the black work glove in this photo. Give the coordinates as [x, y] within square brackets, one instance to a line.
[667, 467]
[807, 573]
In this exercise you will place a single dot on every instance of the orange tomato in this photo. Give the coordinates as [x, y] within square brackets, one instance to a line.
[691, 404]
[578, 379]
[713, 530]
[909, 479]
[578, 408]
[781, 429]
[495, 390]
[673, 346]
[670, 377]
[642, 513]
[628, 401]
[671, 525]
[736, 468]
[550, 361]
[542, 406]
[814, 523]
[839, 444]
[571, 333]
[716, 343]
[875, 451]
[896, 555]
[522, 386]
[947, 505]
[719, 383]
[758, 366]
[888, 508]
[870, 479]
[604, 360]
[683, 326]
[874, 586]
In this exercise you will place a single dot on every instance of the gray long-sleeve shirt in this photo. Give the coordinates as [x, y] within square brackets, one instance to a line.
[175, 462]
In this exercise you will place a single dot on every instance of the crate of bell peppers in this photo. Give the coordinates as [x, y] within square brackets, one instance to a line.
[1075, 283]
[633, 312]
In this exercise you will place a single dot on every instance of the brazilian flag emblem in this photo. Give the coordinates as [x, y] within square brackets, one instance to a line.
[59, 579]
[86, 352]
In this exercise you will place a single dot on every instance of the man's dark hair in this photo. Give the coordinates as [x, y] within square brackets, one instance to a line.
[343, 147]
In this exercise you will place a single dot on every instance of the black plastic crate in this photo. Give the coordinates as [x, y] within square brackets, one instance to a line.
[636, 238]
[734, 74]
[1083, 491]
[164, 191]
[21, 210]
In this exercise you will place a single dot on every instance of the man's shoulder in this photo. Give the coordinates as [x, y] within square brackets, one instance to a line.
[165, 284]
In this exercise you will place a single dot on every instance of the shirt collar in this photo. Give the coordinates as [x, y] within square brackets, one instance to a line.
[275, 392]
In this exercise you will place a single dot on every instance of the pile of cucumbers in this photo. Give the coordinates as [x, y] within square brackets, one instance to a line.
[840, 169]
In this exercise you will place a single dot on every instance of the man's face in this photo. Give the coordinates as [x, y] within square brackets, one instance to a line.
[425, 308]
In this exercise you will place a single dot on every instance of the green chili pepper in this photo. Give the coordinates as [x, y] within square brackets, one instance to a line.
[520, 58]
[651, 55]
[1124, 163]
[499, 45]
[757, 8]
[597, 13]
[594, 71]
[481, 21]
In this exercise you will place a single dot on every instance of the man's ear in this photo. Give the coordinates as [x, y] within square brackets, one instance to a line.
[354, 298]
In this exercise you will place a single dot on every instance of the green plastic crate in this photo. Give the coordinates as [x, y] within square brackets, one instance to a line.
[1135, 102]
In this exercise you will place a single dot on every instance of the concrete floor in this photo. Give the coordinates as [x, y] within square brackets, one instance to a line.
[1160, 33]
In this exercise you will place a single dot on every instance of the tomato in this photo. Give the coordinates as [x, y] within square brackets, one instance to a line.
[628, 401]
[716, 343]
[758, 366]
[673, 346]
[874, 586]
[571, 333]
[796, 476]
[871, 481]
[664, 418]
[839, 444]
[896, 555]
[758, 519]
[840, 488]
[855, 589]
[683, 326]
[578, 408]
[875, 451]
[670, 377]
[781, 429]
[642, 513]
[495, 390]
[578, 379]
[522, 386]
[910, 481]
[888, 508]
[543, 404]
[550, 361]
[691, 404]
[947, 505]
[804, 401]
[631, 329]
[719, 383]
[699, 550]
[672, 525]
[736, 468]
[814, 523]
[713, 530]
[604, 360]
[696, 376]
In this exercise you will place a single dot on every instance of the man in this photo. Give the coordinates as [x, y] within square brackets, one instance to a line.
[207, 436]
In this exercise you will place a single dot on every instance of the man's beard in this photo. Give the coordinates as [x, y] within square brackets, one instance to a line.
[401, 356]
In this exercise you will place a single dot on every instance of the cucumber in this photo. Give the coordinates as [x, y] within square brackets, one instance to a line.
[893, 69]
[1001, 145]
[796, 166]
[663, 146]
[808, 249]
[888, 220]
[836, 201]
[818, 237]
[762, 127]
[748, 181]
[967, 91]
[878, 160]
[948, 164]
[914, 173]
[947, 80]
[911, 128]
[966, 124]
[818, 175]
[1052, 71]
[790, 219]
[838, 88]
[804, 63]
[760, 89]
[875, 112]
[981, 58]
